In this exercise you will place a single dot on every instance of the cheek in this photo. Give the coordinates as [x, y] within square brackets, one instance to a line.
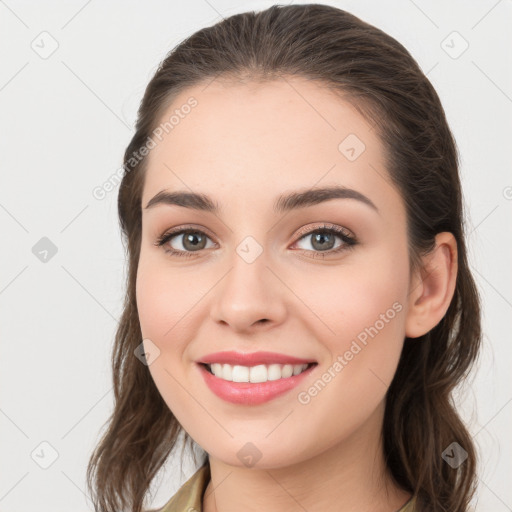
[165, 299]
[362, 311]
[373, 323]
[165, 314]
[354, 298]
[152, 301]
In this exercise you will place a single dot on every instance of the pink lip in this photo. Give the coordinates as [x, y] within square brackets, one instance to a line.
[247, 393]
[253, 359]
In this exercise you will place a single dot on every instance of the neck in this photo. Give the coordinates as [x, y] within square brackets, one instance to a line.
[350, 475]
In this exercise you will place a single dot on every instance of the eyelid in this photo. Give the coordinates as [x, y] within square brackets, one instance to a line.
[307, 230]
[186, 227]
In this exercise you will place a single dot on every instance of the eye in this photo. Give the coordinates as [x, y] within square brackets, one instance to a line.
[190, 239]
[323, 239]
[194, 240]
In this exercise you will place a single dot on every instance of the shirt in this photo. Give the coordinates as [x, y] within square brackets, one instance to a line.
[189, 497]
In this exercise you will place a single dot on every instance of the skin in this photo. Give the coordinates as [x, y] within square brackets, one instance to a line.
[244, 144]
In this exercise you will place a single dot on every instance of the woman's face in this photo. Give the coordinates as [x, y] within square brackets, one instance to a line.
[258, 274]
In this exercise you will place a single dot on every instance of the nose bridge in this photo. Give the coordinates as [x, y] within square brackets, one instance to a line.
[249, 291]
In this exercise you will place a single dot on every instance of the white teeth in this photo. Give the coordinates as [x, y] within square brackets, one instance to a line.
[227, 371]
[298, 368]
[259, 373]
[240, 374]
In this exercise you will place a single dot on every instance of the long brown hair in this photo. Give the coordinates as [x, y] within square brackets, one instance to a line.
[383, 81]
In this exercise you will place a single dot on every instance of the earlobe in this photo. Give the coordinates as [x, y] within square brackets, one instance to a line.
[432, 289]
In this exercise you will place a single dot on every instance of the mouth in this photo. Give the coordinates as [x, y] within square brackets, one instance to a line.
[256, 374]
[253, 385]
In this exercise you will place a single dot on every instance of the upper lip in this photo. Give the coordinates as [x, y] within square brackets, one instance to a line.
[252, 359]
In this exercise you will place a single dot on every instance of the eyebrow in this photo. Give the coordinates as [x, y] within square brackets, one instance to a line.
[284, 203]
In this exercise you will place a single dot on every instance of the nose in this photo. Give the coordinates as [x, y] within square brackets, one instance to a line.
[249, 296]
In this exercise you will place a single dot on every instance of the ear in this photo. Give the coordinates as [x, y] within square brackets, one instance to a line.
[432, 287]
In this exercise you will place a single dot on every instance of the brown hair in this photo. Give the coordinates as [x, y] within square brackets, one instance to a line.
[385, 83]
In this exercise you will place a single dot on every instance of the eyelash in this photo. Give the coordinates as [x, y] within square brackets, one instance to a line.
[349, 241]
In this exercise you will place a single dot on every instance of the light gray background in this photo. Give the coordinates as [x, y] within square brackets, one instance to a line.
[65, 121]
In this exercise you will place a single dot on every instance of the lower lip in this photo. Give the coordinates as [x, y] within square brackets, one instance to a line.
[247, 393]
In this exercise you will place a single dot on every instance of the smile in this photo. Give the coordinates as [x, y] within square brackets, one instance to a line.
[270, 382]
[255, 374]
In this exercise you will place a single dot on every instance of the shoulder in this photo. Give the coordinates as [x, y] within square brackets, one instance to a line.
[410, 506]
[190, 494]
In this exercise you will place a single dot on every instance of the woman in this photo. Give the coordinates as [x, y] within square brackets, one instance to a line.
[299, 302]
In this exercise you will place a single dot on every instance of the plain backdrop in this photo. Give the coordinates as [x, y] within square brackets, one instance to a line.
[72, 75]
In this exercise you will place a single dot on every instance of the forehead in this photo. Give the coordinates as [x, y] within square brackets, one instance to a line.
[257, 139]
